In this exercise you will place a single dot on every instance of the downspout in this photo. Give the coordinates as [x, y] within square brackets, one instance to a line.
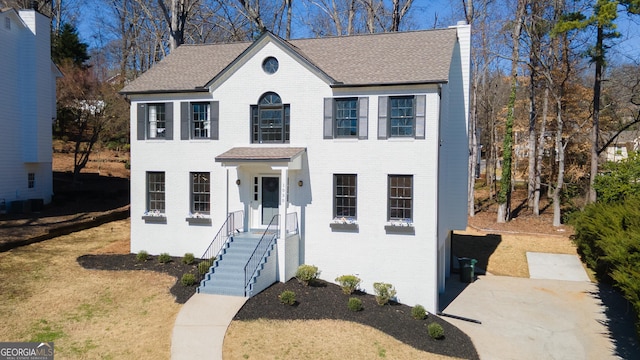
[439, 260]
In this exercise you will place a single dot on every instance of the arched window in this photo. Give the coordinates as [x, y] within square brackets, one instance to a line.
[270, 120]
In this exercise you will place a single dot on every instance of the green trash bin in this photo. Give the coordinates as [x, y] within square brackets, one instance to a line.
[467, 269]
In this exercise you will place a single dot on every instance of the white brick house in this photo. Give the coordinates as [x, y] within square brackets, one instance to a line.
[27, 107]
[361, 140]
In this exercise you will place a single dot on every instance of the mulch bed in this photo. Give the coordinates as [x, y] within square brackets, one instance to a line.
[175, 268]
[320, 300]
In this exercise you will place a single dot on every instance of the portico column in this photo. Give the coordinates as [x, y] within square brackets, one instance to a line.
[282, 225]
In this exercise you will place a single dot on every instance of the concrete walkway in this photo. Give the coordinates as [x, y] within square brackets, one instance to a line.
[198, 332]
[521, 318]
[543, 318]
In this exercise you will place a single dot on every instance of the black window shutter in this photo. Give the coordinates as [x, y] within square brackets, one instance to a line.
[168, 110]
[142, 121]
[421, 108]
[363, 118]
[328, 118]
[383, 102]
[185, 117]
[214, 114]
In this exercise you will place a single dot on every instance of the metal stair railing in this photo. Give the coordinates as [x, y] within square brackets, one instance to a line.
[233, 223]
[269, 235]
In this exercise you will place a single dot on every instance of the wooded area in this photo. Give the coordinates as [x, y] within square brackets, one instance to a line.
[550, 91]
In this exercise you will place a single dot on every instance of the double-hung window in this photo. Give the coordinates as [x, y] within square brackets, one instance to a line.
[155, 192]
[401, 116]
[400, 193]
[346, 117]
[401, 119]
[155, 121]
[31, 180]
[200, 193]
[270, 120]
[199, 120]
[345, 196]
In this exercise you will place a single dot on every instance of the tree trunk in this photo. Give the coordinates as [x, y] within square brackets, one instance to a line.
[531, 183]
[473, 128]
[560, 151]
[504, 197]
[540, 153]
[595, 129]
[288, 31]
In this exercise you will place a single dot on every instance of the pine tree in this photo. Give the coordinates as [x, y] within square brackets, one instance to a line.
[67, 45]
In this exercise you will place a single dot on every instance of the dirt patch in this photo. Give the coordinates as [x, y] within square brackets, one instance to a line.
[102, 161]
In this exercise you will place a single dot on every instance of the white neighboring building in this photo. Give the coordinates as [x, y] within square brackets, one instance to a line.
[27, 107]
[359, 142]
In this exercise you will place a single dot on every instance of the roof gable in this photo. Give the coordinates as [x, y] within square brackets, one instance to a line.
[265, 38]
[360, 60]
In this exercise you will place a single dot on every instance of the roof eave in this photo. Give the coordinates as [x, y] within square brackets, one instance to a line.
[173, 91]
[423, 82]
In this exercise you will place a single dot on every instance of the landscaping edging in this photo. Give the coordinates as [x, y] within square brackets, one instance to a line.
[55, 231]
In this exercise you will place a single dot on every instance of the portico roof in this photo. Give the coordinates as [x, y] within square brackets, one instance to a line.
[260, 154]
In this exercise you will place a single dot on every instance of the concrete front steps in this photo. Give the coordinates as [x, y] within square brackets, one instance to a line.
[226, 275]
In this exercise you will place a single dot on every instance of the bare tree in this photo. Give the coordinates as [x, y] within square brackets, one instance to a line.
[333, 17]
[504, 197]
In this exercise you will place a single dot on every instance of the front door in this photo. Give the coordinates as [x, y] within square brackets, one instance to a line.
[270, 198]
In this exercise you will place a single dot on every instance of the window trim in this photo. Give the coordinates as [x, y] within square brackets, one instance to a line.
[335, 117]
[192, 194]
[31, 180]
[401, 220]
[156, 107]
[206, 123]
[413, 116]
[354, 196]
[155, 211]
[255, 120]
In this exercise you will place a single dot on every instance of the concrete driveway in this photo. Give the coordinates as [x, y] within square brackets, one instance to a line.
[541, 319]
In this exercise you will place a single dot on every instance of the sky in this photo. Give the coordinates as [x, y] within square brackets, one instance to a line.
[425, 13]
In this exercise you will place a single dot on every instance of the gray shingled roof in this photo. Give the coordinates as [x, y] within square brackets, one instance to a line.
[260, 154]
[377, 59]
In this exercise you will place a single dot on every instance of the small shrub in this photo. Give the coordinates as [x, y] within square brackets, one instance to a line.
[142, 256]
[307, 273]
[348, 283]
[204, 265]
[435, 331]
[188, 279]
[384, 292]
[188, 259]
[127, 165]
[164, 258]
[418, 312]
[287, 297]
[354, 304]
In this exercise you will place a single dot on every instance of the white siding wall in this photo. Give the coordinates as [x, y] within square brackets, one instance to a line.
[409, 262]
[25, 106]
